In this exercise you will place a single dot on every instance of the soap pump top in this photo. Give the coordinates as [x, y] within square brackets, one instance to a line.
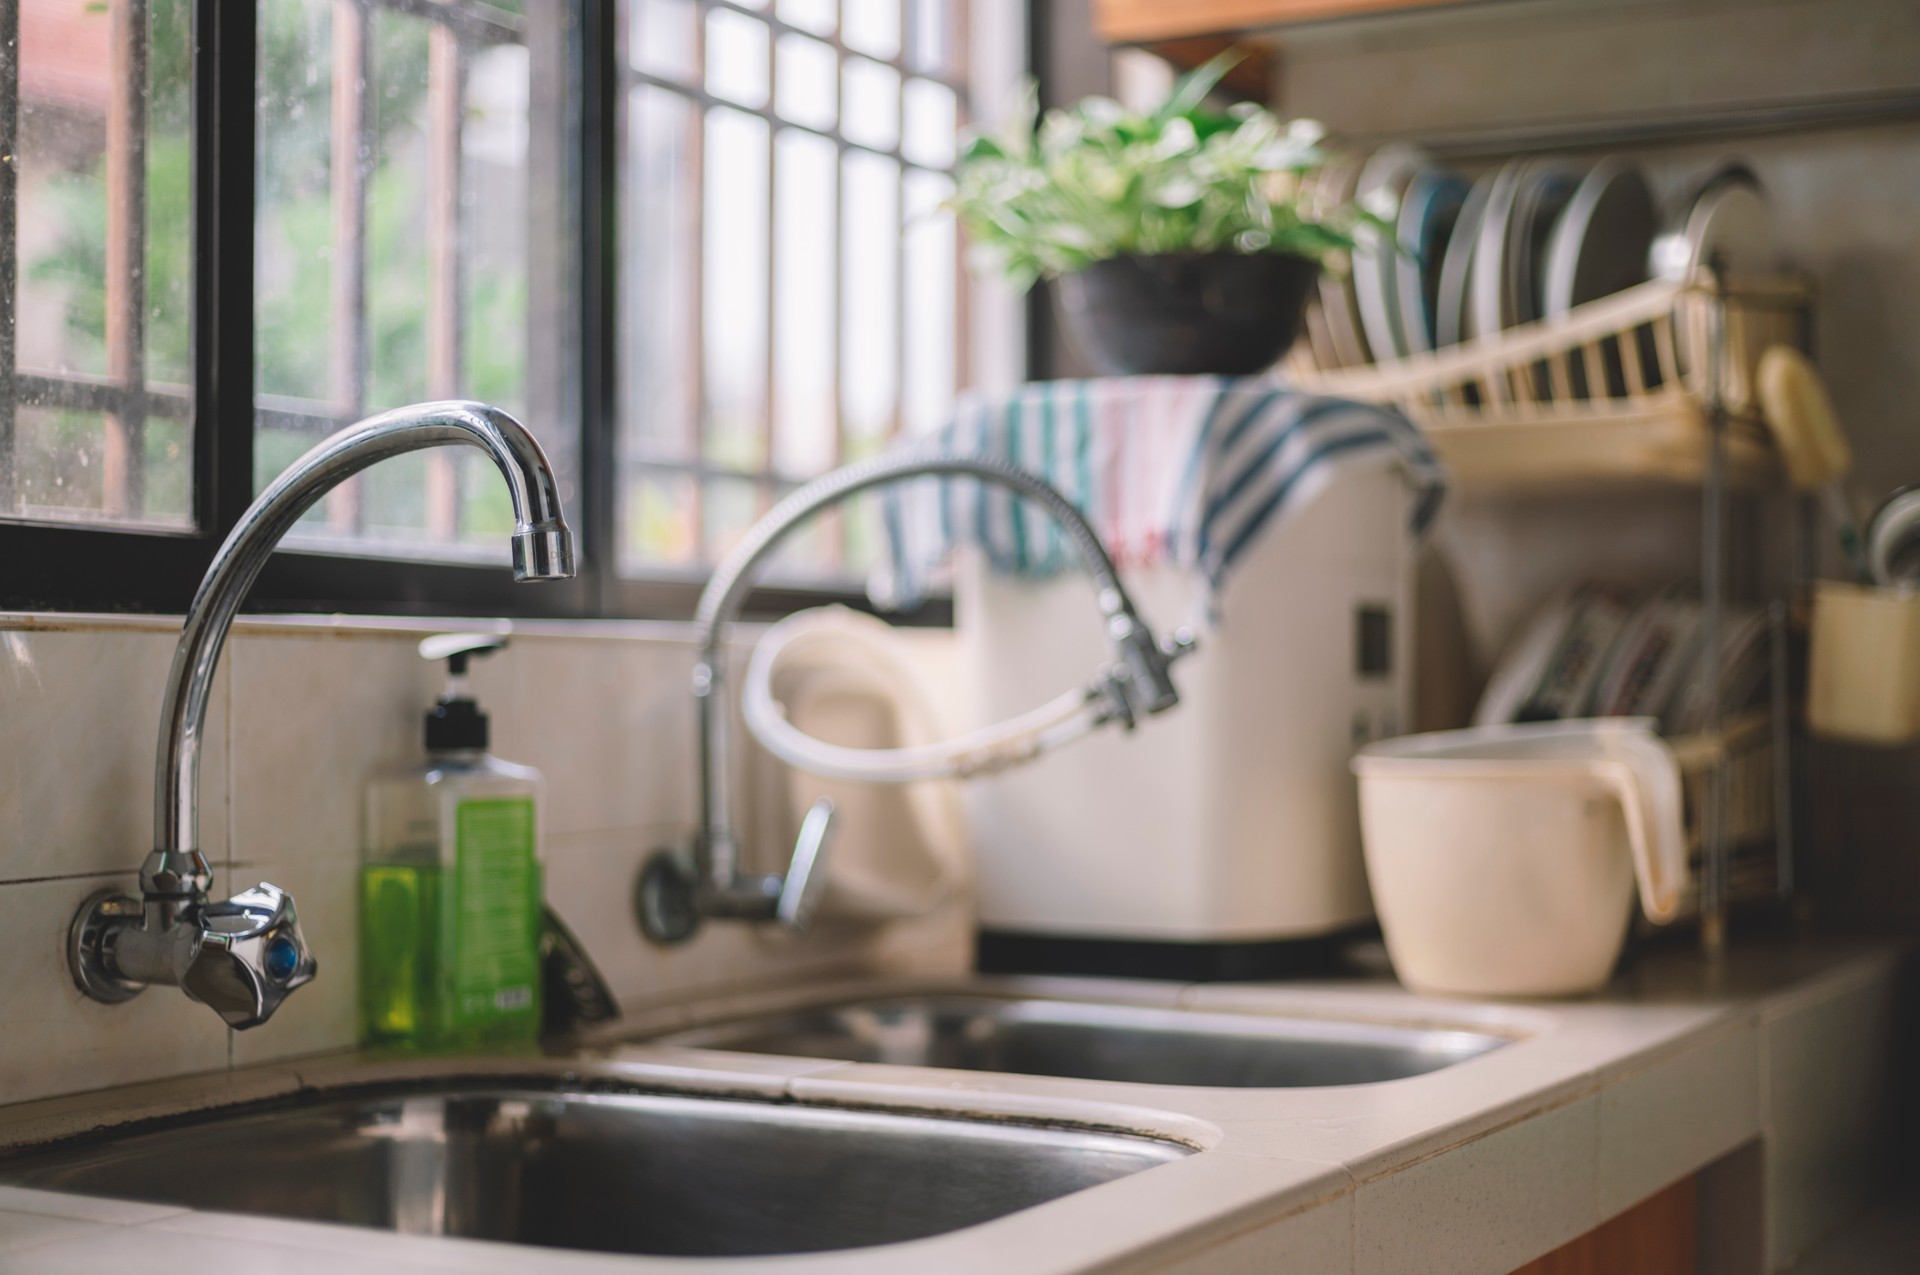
[455, 723]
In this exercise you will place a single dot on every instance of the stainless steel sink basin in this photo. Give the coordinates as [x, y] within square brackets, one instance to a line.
[620, 1173]
[1095, 1041]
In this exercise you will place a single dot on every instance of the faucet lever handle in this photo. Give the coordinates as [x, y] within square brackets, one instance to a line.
[806, 879]
[251, 955]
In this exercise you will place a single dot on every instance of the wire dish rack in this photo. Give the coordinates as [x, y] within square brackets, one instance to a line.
[1747, 757]
[1656, 383]
[1620, 388]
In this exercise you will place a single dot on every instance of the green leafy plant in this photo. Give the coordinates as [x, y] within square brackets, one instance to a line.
[1043, 197]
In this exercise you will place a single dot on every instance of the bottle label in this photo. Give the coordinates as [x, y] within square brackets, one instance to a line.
[496, 969]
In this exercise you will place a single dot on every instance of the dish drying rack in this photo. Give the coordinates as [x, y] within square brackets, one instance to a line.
[1611, 390]
[1653, 384]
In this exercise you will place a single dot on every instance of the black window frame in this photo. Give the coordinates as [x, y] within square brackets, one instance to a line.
[78, 567]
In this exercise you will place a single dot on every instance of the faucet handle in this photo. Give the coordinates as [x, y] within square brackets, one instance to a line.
[806, 879]
[251, 955]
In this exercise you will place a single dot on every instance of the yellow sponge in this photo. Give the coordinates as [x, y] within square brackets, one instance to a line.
[1801, 415]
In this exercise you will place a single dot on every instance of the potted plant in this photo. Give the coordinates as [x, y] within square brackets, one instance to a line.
[1181, 238]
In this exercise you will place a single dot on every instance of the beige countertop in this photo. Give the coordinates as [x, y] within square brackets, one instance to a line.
[1479, 1167]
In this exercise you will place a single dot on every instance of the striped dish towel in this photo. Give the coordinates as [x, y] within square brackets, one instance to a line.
[1180, 470]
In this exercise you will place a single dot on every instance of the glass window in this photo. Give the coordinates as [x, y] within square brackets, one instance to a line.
[790, 292]
[772, 281]
[397, 251]
[95, 252]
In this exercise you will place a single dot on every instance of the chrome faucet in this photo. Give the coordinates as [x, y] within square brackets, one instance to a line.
[678, 889]
[241, 956]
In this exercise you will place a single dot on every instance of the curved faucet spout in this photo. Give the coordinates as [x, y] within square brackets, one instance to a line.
[542, 550]
[243, 955]
[672, 899]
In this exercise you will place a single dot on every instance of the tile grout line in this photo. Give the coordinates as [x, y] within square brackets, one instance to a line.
[106, 875]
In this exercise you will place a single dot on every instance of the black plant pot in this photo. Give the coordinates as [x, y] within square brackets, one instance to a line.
[1191, 313]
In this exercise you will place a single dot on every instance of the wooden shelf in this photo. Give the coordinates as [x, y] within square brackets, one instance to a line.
[1663, 444]
[1148, 21]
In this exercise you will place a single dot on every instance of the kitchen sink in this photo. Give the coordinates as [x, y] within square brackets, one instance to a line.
[1090, 1040]
[611, 1172]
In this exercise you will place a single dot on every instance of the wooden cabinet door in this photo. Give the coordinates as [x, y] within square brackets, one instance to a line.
[1654, 1237]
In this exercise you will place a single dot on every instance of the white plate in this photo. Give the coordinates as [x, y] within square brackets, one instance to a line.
[1712, 218]
[1487, 282]
[1526, 199]
[1729, 224]
[1380, 190]
[1524, 662]
[1733, 225]
[1337, 296]
[1452, 301]
[1432, 207]
[1600, 245]
[1544, 193]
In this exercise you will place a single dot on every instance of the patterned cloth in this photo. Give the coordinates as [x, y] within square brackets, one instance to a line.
[1180, 470]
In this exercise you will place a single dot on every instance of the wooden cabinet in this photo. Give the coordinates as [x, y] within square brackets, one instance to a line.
[1150, 21]
[1654, 1237]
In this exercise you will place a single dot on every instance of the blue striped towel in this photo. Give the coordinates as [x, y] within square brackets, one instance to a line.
[1180, 470]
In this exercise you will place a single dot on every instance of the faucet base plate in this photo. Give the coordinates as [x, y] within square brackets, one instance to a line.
[100, 914]
[665, 899]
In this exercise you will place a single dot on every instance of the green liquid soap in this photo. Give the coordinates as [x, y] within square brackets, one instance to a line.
[400, 920]
[450, 884]
[436, 975]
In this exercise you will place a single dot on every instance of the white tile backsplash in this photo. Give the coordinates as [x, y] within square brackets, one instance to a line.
[314, 716]
[610, 724]
[310, 709]
[79, 723]
[54, 1039]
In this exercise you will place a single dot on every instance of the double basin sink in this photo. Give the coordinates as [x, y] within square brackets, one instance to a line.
[593, 1167]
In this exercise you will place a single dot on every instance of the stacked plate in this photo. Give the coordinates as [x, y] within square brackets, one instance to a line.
[1604, 651]
[1532, 239]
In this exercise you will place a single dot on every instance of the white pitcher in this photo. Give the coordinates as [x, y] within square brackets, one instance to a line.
[1503, 859]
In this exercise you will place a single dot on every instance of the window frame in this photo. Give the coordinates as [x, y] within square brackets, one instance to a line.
[78, 567]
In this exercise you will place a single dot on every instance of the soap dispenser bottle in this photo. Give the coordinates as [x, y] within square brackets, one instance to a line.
[450, 886]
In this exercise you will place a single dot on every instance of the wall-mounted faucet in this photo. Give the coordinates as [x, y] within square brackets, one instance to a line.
[678, 889]
[241, 956]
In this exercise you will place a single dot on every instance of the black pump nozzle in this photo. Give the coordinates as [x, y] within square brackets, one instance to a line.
[456, 722]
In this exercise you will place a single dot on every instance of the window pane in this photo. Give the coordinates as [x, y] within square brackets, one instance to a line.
[806, 94]
[398, 245]
[662, 515]
[869, 325]
[931, 45]
[778, 315]
[806, 431]
[871, 105]
[931, 123]
[735, 300]
[872, 26]
[931, 304]
[728, 507]
[816, 16]
[662, 38]
[659, 279]
[737, 57]
[94, 413]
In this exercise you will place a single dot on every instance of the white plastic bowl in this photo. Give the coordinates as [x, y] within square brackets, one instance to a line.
[1503, 859]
